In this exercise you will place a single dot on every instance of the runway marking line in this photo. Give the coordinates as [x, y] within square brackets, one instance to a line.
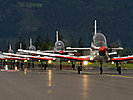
[121, 76]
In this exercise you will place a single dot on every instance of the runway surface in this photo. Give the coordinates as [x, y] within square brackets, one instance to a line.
[66, 85]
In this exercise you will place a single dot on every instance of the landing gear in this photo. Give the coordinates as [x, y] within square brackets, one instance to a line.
[73, 65]
[33, 64]
[80, 68]
[101, 68]
[60, 65]
[118, 67]
[45, 66]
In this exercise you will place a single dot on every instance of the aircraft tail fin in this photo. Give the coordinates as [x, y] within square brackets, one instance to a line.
[57, 36]
[10, 47]
[20, 45]
[95, 32]
[30, 42]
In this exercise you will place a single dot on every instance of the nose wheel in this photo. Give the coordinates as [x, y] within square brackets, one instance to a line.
[80, 68]
[73, 65]
[101, 68]
[118, 67]
[60, 65]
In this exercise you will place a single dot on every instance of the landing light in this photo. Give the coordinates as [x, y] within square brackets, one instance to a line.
[112, 62]
[25, 60]
[85, 62]
[6, 67]
[49, 61]
[68, 61]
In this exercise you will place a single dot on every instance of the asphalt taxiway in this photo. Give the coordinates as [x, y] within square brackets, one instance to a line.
[66, 85]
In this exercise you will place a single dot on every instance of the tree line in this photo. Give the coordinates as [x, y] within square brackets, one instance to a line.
[47, 44]
[44, 43]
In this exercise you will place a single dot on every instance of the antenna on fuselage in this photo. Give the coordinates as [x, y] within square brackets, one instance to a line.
[57, 37]
[95, 32]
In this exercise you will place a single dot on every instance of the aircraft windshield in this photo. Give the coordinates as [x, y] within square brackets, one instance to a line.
[59, 46]
[99, 40]
[33, 48]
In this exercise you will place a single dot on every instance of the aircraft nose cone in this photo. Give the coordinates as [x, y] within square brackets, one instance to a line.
[102, 50]
[60, 51]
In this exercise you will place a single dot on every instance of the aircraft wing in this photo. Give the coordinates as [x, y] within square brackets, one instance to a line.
[122, 58]
[17, 58]
[4, 57]
[80, 58]
[29, 56]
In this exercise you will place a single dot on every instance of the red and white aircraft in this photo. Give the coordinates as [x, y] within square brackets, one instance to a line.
[59, 47]
[5, 57]
[98, 52]
[8, 57]
[21, 56]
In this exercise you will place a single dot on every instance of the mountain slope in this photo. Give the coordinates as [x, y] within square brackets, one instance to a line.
[73, 18]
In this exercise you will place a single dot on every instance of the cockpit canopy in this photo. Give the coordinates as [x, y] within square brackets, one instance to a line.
[59, 45]
[33, 48]
[11, 51]
[99, 40]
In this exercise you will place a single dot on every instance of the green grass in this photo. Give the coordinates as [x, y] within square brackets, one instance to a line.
[128, 66]
[109, 65]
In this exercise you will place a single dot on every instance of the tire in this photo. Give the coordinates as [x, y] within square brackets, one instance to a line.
[119, 69]
[79, 70]
[101, 70]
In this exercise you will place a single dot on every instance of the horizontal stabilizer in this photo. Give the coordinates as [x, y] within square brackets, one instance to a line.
[120, 48]
[69, 48]
[112, 53]
[47, 51]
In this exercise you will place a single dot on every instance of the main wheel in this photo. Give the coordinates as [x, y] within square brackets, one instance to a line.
[79, 70]
[101, 70]
[119, 69]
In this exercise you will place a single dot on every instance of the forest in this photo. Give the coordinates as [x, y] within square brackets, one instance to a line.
[74, 19]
